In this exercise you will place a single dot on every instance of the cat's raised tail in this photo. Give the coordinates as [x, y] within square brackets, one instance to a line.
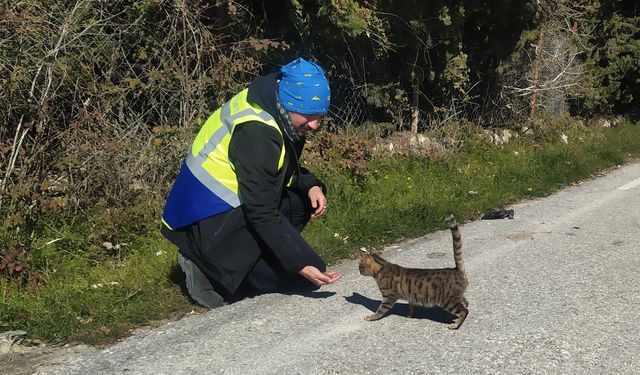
[457, 241]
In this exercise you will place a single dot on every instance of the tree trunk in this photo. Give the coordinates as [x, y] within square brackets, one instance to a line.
[415, 97]
[415, 111]
[536, 73]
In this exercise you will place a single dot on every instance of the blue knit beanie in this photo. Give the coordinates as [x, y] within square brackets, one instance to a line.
[303, 88]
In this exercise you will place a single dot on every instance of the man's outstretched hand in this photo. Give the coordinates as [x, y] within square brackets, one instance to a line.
[319, 278]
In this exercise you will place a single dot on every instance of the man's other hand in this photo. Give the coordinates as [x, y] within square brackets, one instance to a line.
[318, 201]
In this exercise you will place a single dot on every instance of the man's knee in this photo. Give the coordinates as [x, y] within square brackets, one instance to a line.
[296, 208]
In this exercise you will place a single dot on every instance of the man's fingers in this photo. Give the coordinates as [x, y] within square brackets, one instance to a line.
[319, 211]
[323, 278]
[334, 276]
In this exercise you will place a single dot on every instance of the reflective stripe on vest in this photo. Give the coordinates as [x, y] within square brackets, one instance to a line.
[209, 157]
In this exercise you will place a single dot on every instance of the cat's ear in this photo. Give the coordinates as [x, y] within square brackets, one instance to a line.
[363, 252]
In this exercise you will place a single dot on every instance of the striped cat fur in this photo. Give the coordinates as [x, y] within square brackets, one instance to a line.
[442, 287]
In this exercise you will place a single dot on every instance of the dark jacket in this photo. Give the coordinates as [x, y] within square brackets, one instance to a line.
[226, 246]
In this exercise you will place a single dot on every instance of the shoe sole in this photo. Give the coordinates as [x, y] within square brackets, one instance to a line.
[207, 298]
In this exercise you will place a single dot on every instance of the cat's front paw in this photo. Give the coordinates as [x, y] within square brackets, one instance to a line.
[372, 317]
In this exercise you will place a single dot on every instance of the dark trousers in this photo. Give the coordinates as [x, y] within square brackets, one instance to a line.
[266, 275]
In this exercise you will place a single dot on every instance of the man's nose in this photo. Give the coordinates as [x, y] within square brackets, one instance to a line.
[313, 124]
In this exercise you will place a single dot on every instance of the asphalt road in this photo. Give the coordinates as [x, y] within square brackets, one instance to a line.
[553, 291]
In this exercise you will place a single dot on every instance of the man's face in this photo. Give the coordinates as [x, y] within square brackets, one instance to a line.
[305, 123]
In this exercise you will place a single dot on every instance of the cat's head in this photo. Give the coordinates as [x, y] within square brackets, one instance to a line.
[370, 264]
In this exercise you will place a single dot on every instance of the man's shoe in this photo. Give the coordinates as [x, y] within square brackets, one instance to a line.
[198, 285]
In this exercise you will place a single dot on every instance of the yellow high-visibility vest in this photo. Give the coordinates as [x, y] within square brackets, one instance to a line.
[207, 183]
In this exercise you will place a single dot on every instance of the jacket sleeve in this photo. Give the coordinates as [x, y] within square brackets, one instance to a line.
[306, 181]
[254, 150]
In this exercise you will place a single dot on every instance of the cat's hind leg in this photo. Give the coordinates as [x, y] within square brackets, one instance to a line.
[458, 307]
[385, 305]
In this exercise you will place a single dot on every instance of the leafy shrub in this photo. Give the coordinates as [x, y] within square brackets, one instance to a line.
[339, 154]
[100, 100]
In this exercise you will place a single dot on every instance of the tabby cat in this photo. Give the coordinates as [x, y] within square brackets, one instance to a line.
[442, 287]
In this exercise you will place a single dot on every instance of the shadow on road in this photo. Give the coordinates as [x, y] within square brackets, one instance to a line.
[436, 314]
[312, 294]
